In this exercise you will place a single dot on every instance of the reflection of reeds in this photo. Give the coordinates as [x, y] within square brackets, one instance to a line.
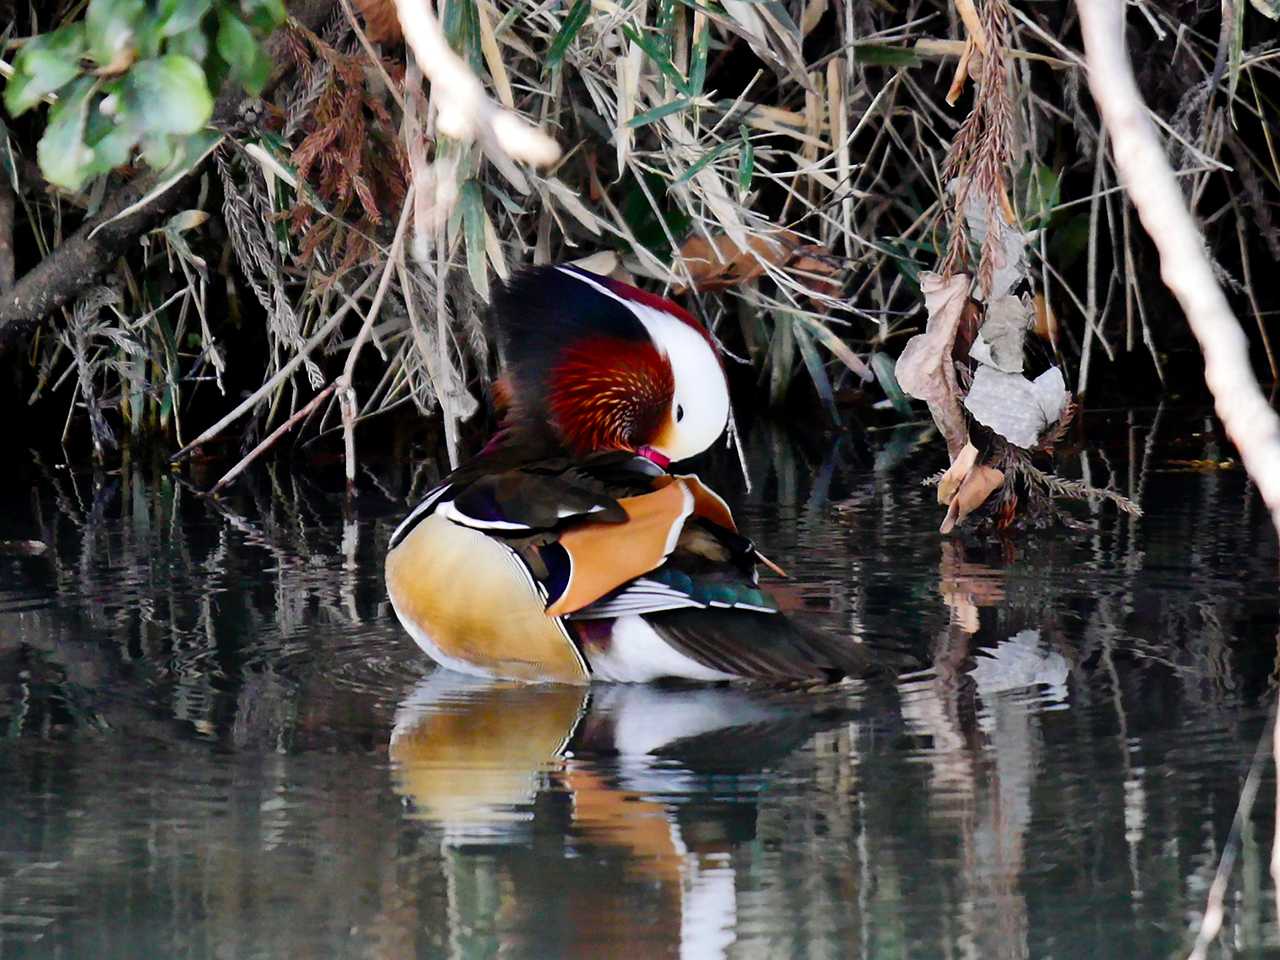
[221, 678]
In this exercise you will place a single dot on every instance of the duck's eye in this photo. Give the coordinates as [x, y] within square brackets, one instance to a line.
[679, 413]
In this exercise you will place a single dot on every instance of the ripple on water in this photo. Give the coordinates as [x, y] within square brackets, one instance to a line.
[218, 742]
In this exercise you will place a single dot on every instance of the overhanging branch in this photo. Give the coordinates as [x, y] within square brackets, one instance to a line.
[84, 256]
[1148, 179]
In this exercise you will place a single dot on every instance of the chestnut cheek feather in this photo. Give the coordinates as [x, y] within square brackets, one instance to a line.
[610, 396]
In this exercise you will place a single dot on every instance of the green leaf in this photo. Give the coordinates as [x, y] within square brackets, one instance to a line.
[264, 15]
[568, 30]
[882, 55]
[471, 202]
[746, 162]
[829, 339]
[111, 138]
[651, 224]
[817, 372]
[660, 60]
[179, 16]
[882, 366]
[110, 27]
[158, 150]
[782, 358]
[193, 44]
[705, 159]
[657, 113]
[236, 44]
[43, 66]
[63, 157]
[698, 69]
[1236, 55]
[168, 95]
[1268, 8]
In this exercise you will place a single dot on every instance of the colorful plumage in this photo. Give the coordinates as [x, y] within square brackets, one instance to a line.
[565, 551]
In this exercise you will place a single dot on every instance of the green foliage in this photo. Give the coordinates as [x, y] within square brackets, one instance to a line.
[136, 75]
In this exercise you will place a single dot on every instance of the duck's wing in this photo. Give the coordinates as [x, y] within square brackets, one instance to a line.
[523, 499]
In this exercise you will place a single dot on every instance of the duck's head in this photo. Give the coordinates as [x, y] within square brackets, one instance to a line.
[608, 366]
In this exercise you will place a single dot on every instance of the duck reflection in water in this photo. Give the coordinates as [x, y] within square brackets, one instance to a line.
[612, 813]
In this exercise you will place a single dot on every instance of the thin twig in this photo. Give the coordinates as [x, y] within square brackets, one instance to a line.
[280, 376]
[275, 435]
[1211, 921]
[1249, 420]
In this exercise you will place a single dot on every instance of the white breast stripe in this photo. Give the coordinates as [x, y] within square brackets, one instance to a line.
[673, 535]
[450, 512]
[540, 591]
[434, 494]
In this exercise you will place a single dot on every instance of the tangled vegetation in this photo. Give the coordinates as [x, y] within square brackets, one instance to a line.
[800, 169]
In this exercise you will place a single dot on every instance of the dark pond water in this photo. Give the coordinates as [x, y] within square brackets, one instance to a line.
[216, 742]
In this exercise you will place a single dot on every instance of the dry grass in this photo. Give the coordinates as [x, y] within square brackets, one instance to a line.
[649, 124]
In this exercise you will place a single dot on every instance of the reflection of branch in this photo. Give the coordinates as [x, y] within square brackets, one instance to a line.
[1250, 422]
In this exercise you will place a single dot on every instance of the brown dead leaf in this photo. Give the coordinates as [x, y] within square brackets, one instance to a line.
[925, 369]
[962, 73]
[380, 19]
[1046, 322]
[814, 266]
[977, 486]
[970, 323]
[956, 473]
[721, 263]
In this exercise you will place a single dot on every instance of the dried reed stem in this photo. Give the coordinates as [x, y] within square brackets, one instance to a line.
[345, 384]
[464, 110]
[275, 435]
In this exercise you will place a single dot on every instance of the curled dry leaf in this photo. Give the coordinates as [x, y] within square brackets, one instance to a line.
[1017, 408]
[999, 342]
[962, 73]
[925, 369]
[380, 20]
[1010, 259]
[980, 483]
[1046, 322]
[956, 473]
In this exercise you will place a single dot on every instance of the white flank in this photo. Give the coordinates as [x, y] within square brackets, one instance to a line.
[637, 654]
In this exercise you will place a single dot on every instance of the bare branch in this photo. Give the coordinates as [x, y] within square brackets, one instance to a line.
[1249, 420]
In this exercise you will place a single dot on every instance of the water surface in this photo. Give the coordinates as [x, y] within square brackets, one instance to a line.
[216, 742]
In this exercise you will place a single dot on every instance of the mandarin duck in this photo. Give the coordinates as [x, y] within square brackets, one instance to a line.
[566, 551]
